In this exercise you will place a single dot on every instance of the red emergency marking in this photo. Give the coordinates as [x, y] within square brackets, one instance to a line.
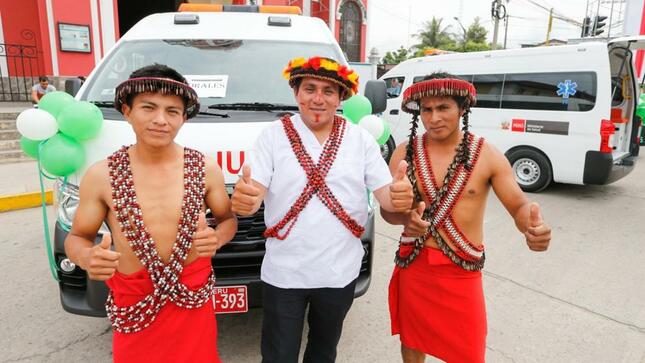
[233, 162]
[518, 125]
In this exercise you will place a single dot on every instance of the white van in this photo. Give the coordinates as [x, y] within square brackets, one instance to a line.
[234, 59]
[563, 113]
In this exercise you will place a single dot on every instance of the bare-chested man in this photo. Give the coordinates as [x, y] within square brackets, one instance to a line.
[153, 196]
[436, 296]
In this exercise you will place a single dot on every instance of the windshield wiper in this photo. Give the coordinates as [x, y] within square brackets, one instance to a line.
[103, 104]
[208, 113]
[253, 106]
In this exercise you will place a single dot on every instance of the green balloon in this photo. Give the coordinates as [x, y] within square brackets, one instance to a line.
[386, 133]
[80, 120]
[640, 111]
[54, 102]
[356, 107]
[29, 147]
[61, 155]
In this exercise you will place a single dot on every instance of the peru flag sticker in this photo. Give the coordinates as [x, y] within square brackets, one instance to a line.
[518, 125]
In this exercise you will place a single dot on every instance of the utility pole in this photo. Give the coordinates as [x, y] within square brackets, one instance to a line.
[496, 5]
[548, 28]
[505, 29]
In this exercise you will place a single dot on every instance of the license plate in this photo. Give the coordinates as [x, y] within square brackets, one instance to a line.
[231, 299]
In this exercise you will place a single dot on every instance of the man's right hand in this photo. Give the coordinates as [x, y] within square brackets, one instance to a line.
[246, 196]
[101, 262]
[415, 225]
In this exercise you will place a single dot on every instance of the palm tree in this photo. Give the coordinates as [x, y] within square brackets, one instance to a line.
[433, 35]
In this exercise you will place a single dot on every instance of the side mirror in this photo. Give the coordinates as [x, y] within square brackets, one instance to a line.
[375, 91]
[72, 86]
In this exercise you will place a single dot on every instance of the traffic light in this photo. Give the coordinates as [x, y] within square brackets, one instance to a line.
[598, 24]
[586, 27]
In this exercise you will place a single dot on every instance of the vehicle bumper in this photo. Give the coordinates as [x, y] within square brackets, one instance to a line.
[600, 168]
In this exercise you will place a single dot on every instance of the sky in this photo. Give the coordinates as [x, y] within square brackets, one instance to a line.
[393, 21]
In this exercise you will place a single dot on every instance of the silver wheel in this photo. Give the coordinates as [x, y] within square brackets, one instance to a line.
[527, 171]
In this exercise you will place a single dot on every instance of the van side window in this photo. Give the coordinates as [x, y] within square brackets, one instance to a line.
[393, 86]
[562, 91]
[489, 90]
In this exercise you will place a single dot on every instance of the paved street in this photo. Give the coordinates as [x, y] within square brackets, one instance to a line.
[582, 301]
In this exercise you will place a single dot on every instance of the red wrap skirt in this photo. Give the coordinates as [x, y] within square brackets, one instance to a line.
[177, 334]
[438, 308]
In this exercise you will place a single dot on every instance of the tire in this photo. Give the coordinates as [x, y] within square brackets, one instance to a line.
[387, 149]
[531, 169]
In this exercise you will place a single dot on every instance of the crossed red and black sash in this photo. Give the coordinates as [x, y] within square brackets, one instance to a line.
[316, 184]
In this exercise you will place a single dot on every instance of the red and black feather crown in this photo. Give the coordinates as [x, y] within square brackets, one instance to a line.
[166, 86]
[440, 87]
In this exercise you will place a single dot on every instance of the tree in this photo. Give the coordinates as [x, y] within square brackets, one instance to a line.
[476, 33]
[474, 40]
[433, 35]
[395, 57]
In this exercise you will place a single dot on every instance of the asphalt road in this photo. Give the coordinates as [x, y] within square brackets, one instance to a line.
[582, 301]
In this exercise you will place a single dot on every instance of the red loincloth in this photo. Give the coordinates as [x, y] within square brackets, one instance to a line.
[438, 308]
[177, 334]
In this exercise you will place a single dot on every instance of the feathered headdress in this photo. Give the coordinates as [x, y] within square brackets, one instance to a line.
[322, 68]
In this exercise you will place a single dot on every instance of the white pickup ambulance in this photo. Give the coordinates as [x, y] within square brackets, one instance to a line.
[233, 56]
[560, 114]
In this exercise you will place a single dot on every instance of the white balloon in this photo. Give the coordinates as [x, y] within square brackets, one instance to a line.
[373, 124]
[36, 124]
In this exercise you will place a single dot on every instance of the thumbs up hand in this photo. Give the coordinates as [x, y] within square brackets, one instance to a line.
[101, 262]
[415, 225]
[538, 234]
[206, 241]
[246, 196]
[401, 189]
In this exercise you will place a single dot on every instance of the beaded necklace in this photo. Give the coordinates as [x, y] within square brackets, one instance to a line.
[165, 277]
[316, 174]
[443, 199]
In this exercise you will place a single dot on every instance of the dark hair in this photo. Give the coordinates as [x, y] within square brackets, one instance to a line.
[155, 70]
[43, 79]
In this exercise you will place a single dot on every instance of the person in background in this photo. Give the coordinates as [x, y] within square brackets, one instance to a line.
[40, 89]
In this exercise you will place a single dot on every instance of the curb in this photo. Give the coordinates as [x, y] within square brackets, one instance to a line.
[25, 200]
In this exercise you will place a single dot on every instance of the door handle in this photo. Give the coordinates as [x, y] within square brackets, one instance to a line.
[394, 112]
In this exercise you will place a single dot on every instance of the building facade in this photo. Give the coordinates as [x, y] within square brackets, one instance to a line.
[67, 38]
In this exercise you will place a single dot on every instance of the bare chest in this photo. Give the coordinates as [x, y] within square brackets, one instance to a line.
[475, 191]
[160, 196]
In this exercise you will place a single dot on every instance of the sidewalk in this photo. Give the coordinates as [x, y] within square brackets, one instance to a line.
[19, 183]
[20, 186]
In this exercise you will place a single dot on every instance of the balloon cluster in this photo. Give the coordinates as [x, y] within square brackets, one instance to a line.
[52, 132]
[358, 110]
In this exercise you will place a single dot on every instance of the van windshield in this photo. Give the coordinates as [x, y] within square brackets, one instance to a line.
[222, 71]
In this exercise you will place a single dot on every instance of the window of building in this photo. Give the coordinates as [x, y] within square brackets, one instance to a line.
[350, 30]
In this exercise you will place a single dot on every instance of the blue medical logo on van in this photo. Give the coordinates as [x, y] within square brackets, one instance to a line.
[566, 89]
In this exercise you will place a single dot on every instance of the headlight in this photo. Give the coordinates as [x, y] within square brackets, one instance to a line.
[66, 202]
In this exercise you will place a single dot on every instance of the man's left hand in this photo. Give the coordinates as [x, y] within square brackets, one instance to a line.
[205, 239]
[401, 189]
[538, 234]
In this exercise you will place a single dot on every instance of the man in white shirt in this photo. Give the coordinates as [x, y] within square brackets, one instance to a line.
[312, 171]
[40, 89]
